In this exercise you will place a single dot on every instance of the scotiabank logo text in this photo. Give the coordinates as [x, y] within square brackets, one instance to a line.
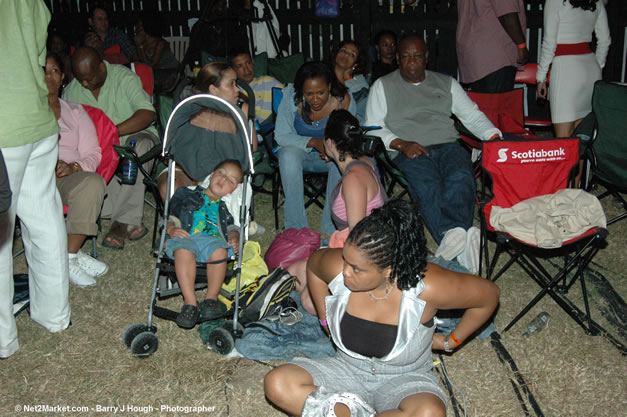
[542, 153]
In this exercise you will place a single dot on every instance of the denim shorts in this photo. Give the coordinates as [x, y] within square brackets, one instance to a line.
[200, 245]
[380, 385]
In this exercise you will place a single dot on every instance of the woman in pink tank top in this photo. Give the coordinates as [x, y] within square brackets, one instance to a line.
[360, 190]
[355, 196]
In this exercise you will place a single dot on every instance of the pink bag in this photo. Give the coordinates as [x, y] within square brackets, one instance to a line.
[290, 246]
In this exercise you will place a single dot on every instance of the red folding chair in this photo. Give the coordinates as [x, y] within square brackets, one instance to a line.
[537, 116]
[505, 111]
[144, 72]
[107, 137]
[522, 169]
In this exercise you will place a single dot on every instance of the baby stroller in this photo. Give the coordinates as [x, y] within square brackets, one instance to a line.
[198, 150]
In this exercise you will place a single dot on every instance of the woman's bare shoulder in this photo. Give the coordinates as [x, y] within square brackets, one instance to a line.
[326, 263]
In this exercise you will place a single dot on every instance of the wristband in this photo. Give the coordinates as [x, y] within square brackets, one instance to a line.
[521, 45]
[454, 339]
[323, 323]
[446, 348]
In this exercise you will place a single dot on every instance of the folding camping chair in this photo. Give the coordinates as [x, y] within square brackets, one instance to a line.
[519, 170]
[266, 131]
[144, 72]
[178, 45]
[391, 176]
[505, 111]
[607, 157]
[107, 139]
[536, 115]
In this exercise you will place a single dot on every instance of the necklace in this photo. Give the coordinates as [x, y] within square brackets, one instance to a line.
[388, 291]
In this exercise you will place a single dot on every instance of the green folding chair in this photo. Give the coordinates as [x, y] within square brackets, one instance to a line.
[606, 157]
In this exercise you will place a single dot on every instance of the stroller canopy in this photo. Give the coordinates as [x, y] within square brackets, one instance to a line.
[204, 130]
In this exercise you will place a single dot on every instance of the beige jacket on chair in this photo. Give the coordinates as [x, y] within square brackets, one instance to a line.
[549, 220]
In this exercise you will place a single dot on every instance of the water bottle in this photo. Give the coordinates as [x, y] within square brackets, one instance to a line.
[537, 324]
[196, 68]
[128, 171]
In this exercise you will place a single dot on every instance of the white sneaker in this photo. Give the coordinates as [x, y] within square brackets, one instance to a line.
[452, 244]
[78, 276]
[469, 258]
[91, 265]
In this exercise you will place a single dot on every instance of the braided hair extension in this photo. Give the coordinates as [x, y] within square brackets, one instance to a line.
[343, 129]
[393, 236]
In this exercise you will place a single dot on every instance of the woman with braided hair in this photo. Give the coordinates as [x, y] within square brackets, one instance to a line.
[377, 298]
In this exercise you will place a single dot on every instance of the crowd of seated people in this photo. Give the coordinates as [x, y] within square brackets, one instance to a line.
[318, 89]
[317, 130]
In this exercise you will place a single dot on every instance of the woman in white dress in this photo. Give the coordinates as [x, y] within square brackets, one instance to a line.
[568, 27]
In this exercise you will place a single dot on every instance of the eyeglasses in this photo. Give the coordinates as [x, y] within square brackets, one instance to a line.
[348, 52]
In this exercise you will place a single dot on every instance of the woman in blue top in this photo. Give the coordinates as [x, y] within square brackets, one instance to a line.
[301, 119]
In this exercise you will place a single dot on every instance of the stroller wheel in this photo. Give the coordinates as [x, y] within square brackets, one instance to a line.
[221, 340]
[144, 344]
[133, 330]
[228, 325]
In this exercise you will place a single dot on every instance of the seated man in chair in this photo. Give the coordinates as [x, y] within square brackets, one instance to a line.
[414, 107]
[244, 67]
[118, 92]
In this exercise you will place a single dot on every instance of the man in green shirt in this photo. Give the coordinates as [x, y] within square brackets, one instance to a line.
[29, 142]
[118, 92]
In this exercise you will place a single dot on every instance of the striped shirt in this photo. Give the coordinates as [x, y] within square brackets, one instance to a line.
[262, 86]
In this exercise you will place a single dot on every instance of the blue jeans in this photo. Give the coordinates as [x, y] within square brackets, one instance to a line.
[292, 163]
[443, 186]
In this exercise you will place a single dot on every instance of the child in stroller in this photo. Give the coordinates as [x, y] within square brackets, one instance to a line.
[202, 230]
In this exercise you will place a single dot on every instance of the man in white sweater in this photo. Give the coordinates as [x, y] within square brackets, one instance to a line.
[414, 107]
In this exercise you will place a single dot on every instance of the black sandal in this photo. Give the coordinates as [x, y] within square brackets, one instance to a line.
[188, 317]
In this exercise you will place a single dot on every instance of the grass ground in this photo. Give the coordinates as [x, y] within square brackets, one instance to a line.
[568, 372]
